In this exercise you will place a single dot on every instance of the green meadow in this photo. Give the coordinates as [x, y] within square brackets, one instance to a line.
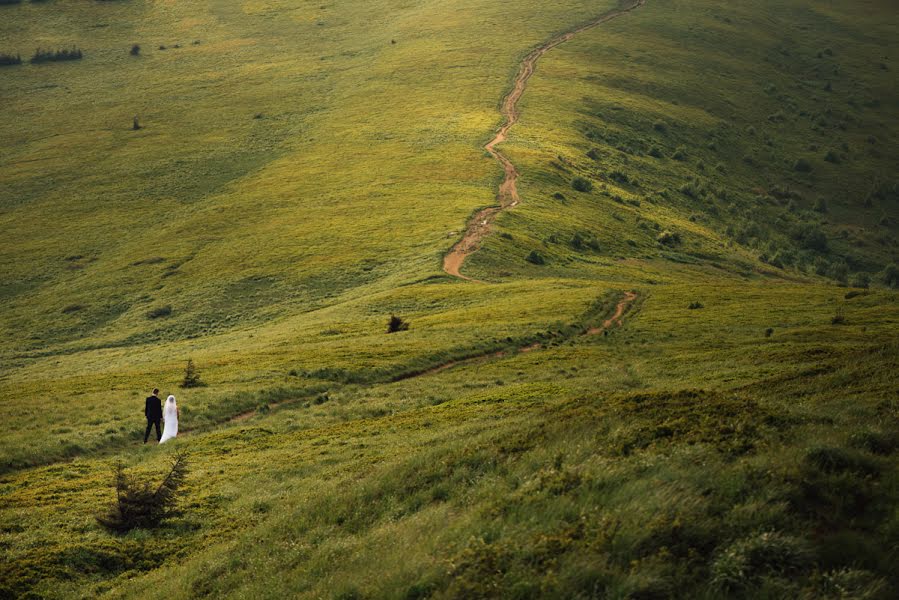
[258, 186]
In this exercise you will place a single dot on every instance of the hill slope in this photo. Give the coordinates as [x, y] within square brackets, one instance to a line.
[299, 172]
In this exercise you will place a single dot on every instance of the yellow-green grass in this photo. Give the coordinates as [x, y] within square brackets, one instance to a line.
[283, 243]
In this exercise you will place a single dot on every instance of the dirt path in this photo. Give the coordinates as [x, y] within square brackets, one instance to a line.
[507, 196]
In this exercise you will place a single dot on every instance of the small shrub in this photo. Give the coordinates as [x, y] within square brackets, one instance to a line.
[861, 280]
[821, 205]
[618, 176]
[42, 56]
[745, 562]
[135, 50]
[769, 332]
[396, 323]
[832, 157]
[535, 258]
[559, 196]
[135, 124]
[160, 311]
[138, 504]
[802, 166]
[695, 305]
[875, 442]
[890, 276]
[579, 184]
[9, 59]
[669, 238]
[680, 153]
[72, 308]
[839, 460]
[838, 318]
[191, 376]
[593, 154]
[655, 152]
[660, 126]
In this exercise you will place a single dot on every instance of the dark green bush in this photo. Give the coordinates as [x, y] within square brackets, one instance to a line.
[159, 311]
[9, 59]
[535, 258]
[744, 563]
[802, 166]
[580, 184]
[135, 50]
[890, 276]
[669, 238]
[655, 152]
[42, 56]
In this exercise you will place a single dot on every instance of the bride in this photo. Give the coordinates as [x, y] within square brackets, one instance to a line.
[170, 416]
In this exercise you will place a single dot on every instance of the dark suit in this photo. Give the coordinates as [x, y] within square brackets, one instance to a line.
[153, 412]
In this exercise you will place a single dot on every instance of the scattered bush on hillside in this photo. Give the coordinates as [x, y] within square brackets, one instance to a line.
[535, 258]
[839, 318]
[396, 323]
[580, 184]
[135, 49]
[191, 376]
[660, 126]
[72, 308]
[810, 237]
[655, 152]
[890, 275]
[135, 124]
[695, 305]
[832, 157]
[159, 311]
[769, 332]
[580, 241]
[821, 205]
[593, 154]
[802, 166]
[138, 505]
[680, 153]
[9, 59]
[746, 562]
[669, 238]
[559, 196]
[42, 56]
[861, 280]
[839, 272]
[618, 176]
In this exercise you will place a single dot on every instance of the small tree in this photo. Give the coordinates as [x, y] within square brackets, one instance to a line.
[191, 376]
[396, 324]
[535, 258]
[135, 50]
[138, 504]
[135, 125]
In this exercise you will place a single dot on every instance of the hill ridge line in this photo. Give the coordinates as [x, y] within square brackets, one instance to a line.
[507, 194]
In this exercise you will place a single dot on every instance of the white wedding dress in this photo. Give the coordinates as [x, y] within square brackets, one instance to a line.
[170, 420]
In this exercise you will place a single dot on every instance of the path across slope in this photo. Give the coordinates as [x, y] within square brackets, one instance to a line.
[507, 196]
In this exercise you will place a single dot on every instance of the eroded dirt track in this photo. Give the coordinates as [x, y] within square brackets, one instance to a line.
[507, 196]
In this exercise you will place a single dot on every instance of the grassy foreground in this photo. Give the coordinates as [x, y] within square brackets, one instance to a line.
[299, 171]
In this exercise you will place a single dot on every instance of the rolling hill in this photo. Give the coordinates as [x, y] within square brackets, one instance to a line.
[664, 367]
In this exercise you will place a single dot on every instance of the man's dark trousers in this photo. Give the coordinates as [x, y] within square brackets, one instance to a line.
[150, 423]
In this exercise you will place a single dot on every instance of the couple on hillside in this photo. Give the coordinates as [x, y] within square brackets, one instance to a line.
[154, 412]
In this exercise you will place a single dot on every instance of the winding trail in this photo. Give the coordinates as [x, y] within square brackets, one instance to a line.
[507, 196]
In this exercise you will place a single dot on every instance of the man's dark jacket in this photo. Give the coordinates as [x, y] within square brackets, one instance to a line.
[153, 409]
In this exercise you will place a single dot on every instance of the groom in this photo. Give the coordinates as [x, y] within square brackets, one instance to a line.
[153, 412]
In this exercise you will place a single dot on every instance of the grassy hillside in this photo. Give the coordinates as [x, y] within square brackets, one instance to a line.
[299, 171]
